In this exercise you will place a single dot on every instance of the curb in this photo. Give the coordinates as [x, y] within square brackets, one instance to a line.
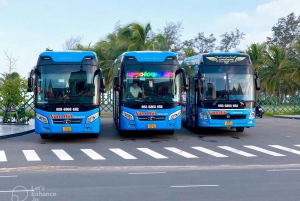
[16, 134]
[287, 117]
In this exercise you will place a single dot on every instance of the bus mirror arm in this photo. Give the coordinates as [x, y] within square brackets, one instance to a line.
[117, 83]
[102, 79]
[257, 81]
[30, 81]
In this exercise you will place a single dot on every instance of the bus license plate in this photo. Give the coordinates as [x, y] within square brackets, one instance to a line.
[151, 126]
[67, 129]
[228, 123]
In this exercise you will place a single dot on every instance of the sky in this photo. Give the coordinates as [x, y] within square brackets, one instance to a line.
[28, 27]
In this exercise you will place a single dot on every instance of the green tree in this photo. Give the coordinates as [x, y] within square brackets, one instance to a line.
[256, 52]
[137, 36]
[230, 40]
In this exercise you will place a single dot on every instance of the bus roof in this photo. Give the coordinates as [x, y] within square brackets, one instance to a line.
[68, 56]
[199, 58]
[148, 56]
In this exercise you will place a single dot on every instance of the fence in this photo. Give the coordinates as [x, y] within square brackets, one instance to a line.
[270, 105]
[282, 105]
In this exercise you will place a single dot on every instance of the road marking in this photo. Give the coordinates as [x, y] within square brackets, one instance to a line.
[2, 156]
[62, 155]
[180, 152]
[152, 153]
[237, 151]
[31, 155]
[210, 152]
[123, 154]
[286, 149]
[15, 191]
[281, 170]
[8, 176]
[263, 150]
[189, 186]
[147, 173]
[92, 154]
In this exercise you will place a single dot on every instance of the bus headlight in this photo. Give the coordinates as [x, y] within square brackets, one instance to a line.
[252, 114]
[127, 115]
[175, 115]
[41, 118]
[92, 118]
[203, 115]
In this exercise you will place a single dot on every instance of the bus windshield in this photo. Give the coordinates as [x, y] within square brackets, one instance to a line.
[227, 83]
[155, 83]
[67, 84]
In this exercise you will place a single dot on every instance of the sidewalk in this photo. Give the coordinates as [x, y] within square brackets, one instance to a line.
[8, 131]
[288, 116]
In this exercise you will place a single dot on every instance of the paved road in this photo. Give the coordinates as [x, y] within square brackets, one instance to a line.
[262, 163]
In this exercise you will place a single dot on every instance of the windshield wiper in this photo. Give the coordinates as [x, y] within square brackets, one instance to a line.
[237, 98]
[219, 97]
[161, 98]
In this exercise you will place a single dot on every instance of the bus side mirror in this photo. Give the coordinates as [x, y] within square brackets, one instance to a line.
[257, 83]
[186, 84]
[117, 83]
[102, 85]
[30, 84]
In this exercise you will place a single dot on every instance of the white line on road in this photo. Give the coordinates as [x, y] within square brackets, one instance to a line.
[92, 154]
[237, 151]
[147, 173]
[123, 154]
[189, 186]
[180, 152]
[31, 155]
[286, 149]
[263, 150]
[152, 153]
[8, 176]
[16, 191]
[210, 152]
[62, 155]
[281, 170]
[2, 156]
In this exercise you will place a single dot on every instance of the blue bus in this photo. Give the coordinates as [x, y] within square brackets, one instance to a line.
[222, 91]
[146, 91]
[67, 87]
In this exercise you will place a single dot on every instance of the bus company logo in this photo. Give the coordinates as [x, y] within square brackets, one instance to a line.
[151, 113]
[221, 112]
[54, 116]
[140, 113]
[226, 60]
[68, 116]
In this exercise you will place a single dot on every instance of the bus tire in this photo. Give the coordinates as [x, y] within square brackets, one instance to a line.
[169, 132]
[240, 129]
[123, 133]
[44, 136]
[95, 135]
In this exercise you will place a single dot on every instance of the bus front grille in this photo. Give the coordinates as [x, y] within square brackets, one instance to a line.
[151, 118]
[67, 121]
[239, 116]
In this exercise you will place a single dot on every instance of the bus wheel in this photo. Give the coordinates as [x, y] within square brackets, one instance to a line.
[169, 132]
[240, 129]
[94, 135]
[123, 133]
[44, 136]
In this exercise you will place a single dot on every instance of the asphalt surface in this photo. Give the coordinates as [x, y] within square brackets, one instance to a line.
[262, 163]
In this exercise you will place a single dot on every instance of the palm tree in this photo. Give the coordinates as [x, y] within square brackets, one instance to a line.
[256, 52]
[137, 35]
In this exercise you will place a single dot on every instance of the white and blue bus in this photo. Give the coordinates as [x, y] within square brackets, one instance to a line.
[222, 91]
[147, 91]
[67, 87]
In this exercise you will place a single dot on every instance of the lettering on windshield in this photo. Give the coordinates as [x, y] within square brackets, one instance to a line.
[228, 105]
[151, 106]
[67, 109]
[150, 74]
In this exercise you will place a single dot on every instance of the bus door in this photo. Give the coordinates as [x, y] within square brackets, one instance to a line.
[116, 103]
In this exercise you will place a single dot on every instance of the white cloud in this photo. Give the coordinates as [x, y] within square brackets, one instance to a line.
[3, 2]
[257, 24]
